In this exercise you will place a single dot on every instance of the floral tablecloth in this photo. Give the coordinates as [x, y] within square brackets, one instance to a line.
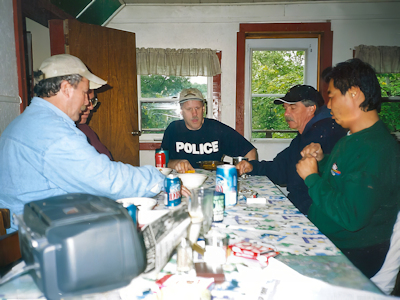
[278, 223]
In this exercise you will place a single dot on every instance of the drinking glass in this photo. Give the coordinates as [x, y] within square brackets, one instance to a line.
[201, 207]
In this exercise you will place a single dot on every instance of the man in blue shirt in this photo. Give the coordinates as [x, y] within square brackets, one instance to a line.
[43, 154]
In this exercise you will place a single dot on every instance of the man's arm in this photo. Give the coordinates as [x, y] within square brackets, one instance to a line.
[180, 165]
[83, 169]
[252, 154]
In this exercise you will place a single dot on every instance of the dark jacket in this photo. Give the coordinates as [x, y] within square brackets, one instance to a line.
[320, 129]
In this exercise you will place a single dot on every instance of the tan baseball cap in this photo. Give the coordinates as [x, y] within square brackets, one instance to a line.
[65, 64]
[190, 94]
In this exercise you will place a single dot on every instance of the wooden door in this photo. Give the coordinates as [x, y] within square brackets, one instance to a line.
[111, 55]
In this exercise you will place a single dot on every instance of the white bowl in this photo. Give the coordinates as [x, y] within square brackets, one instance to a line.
[192, 180]
[165, 171]
[141, 203]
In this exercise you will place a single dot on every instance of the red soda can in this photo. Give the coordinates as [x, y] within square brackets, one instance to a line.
[161, 161]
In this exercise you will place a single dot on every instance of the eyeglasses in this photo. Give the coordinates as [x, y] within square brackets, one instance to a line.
[94, 101]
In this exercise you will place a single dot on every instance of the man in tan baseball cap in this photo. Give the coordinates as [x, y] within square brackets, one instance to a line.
[44, 154]
[65, 64]
[65, 84]
[196, 138]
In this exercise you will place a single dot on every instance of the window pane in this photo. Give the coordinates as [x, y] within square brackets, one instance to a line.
[267, 115]
[158, 115]
[162, 86]
[390, 84]
[390, 115]
[390, 112]
[275, 72]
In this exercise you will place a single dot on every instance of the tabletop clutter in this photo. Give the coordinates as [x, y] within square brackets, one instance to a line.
[215, 243]
[200, 251]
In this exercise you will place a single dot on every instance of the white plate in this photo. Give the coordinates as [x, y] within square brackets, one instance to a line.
[142, 203]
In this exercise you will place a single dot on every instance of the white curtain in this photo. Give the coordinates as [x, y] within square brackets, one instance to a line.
[383, 59]
[177, 62]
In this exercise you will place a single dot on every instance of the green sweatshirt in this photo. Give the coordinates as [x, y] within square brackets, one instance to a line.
[356, 197]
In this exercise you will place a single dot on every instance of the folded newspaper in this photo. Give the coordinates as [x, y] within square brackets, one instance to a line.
[162, 235]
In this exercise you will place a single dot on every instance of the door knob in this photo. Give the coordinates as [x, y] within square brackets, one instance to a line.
[138, 133]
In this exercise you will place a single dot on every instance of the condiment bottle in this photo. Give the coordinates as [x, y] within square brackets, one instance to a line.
[184, 262]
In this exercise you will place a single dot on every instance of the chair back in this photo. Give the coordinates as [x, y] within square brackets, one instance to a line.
[385, 279]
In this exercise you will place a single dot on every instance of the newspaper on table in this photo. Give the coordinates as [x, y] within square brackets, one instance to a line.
[162, 235]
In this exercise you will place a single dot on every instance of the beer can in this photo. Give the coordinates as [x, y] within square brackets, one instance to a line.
[172, 186]
[162, 158]
[219, 207]
[226, 183]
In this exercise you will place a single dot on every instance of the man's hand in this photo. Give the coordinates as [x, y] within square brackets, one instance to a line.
[181, 166]
[306, 166]
[244, 167]
[185, 191]
[313, 150]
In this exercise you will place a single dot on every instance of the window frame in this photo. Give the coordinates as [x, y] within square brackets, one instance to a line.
[280, 30]
[281, 44]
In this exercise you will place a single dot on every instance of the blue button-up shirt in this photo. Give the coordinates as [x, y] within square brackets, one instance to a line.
[43, 154]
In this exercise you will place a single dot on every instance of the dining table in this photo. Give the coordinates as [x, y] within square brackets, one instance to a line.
[276, 223]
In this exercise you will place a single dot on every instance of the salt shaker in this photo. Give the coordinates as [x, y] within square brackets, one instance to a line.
[184, 261]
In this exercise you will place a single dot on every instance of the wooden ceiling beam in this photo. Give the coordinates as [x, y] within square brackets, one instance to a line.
[41, 11]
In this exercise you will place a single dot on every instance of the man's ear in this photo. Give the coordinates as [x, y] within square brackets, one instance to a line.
[312, 109]
[356, 95]
[66, 88]
[354, 92]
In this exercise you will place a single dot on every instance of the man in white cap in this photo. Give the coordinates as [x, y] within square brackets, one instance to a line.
[43, 154]
[196, 138]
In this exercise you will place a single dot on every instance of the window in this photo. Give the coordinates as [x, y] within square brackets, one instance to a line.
[390, 110]
[273, 66]
[158, 101]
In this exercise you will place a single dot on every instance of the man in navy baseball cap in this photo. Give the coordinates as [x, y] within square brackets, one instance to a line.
[304, 111]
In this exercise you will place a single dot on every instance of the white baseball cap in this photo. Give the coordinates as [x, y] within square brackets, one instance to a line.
[190, 94]
[65, 64]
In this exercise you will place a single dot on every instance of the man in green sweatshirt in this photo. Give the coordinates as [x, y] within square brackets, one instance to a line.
[355, 190]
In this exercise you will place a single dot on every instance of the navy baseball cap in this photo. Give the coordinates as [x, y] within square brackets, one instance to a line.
[299, 93]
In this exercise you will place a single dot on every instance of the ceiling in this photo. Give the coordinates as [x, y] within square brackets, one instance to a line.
[98, 12]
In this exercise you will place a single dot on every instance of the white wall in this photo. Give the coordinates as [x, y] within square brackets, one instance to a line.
[9, 99]
[216, 26]
[40, 42]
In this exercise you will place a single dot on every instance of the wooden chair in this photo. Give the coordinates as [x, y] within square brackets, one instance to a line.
[9, 243]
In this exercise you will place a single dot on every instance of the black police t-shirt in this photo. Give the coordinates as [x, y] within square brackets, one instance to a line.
[210, 142]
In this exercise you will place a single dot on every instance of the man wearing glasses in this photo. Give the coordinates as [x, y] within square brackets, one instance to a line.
[43, 154]
[92, 137]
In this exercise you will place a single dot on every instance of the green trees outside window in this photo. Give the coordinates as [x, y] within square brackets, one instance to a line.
[390, 112]
[159, 100]
[273, 74]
